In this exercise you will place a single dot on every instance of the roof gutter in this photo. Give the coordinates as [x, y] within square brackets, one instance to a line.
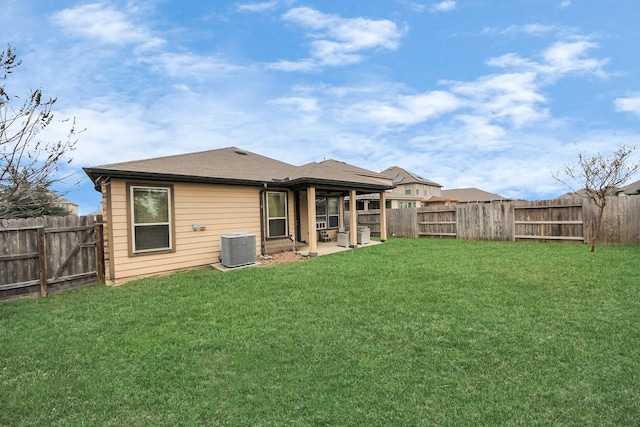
[94, 174]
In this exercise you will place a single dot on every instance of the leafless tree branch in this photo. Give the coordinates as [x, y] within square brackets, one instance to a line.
[28, 166]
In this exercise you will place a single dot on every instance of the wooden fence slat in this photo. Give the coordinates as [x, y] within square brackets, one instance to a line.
[19, 285]
[42, 262]
[17, 257]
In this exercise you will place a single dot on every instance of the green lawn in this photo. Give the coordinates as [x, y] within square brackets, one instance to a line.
[412, 332]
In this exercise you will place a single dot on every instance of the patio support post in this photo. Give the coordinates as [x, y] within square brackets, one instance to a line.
[353, 220]
[311, 216]
[383, 216]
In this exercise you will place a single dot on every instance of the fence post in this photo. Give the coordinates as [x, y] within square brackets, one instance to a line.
[99, 253]
[42, 262]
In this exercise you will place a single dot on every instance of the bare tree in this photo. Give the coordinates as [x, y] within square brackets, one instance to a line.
[598, 177]
[28, 166]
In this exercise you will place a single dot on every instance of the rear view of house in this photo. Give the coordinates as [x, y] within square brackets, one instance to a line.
[170, 213]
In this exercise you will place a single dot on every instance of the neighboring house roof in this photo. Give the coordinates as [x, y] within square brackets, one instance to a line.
[403, 176]
[582, 193]
[63, 201]
[236, 166]
[631, 189]
[471, 195]
[569, 195]
[437, 199]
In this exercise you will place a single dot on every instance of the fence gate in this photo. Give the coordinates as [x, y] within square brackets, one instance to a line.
[50, 254]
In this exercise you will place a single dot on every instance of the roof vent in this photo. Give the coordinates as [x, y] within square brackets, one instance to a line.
[241, 152]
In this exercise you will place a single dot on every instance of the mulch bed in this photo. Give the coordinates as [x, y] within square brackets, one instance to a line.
[281, 258]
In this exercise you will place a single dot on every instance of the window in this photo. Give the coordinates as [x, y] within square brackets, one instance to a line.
[151, 218]
[277, 214]
[407, 189]
[417, 189]
[407, 205]
[328, 211]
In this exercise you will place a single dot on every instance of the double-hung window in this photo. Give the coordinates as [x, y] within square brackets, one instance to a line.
[151, 218]
[328, 211]
[277, 214]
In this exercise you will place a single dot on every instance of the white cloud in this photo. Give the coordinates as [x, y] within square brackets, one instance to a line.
[531, 29]
[630, 104]
[126, 129]
[191, 66]
[562, 57]
[535, 30]
[565, 3]
[504, 97]
[339, 41]
[405, 110]
[257, 7]
[478, 131]
[565, 57]
[417, 7]
[443, 6]
[109, 26]
[304, 106]
[302, 65]
[512, 60]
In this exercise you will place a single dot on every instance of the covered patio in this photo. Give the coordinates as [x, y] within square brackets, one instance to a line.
[327, 248]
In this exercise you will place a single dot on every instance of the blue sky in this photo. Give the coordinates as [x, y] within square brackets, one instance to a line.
[468, 93]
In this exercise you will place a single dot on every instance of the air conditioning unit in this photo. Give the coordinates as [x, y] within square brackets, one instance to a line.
[238, 249]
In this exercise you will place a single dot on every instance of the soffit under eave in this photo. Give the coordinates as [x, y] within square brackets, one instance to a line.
[362, 188]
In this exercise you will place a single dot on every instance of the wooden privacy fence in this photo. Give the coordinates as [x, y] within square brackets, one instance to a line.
[41, 255]
[572, 220]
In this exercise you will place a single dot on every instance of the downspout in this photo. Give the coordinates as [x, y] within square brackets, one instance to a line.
[263, 239]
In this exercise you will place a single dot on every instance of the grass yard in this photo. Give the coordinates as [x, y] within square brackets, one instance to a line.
[412, 332]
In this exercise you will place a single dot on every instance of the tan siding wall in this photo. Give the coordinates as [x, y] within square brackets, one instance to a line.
[220, 209]
[398, 194]
[398, 191]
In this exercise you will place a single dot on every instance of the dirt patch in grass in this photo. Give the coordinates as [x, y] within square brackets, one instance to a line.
[281, 258]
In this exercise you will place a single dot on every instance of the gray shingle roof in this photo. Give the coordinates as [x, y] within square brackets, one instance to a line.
[234, 165]
[226, 163]
[470, 195]
[403, 176]
[633, 188]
